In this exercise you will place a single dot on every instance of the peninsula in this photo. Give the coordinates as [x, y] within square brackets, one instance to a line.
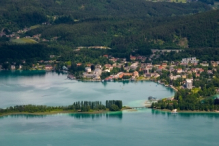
[77, 107]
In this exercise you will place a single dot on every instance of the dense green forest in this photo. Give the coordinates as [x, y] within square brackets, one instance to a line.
[83, 106]
[26, 13]
[123, 25]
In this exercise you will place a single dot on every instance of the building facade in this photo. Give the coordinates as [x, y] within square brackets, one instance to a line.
[189, 83]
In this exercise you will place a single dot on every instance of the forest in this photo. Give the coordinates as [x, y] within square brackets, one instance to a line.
[126, 26]
[83, 106]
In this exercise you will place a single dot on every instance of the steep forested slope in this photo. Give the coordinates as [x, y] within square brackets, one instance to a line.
[20, 13]
[123, 25]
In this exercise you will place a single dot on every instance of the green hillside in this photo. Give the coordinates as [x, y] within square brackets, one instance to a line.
[126, 26]
[20, 13]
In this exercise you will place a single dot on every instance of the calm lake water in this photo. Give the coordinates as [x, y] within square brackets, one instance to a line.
[143, 127]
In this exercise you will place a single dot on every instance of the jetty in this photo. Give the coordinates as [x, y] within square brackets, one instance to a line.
[71, 77]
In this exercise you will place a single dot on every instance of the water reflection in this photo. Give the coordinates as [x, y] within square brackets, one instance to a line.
[185, 115]
[27, 116]
[6, 74]
[115, 115]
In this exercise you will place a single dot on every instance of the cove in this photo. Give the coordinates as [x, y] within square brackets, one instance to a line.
[52, 89]
[143, 127]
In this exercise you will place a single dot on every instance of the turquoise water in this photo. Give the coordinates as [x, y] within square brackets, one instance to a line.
[143, 127]
[54, 89]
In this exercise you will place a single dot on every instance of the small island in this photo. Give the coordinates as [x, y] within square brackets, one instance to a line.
[91, 107]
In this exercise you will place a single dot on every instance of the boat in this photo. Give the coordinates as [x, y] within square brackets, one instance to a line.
[150, 98]
[174, 111]
[71, 77]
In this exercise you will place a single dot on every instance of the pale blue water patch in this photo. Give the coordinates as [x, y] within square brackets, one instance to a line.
[54, 89]
[142, 127]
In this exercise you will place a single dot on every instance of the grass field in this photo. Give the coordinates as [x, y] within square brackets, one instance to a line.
[35, 26]
[195, 90]
[175, 1]
[24, 41]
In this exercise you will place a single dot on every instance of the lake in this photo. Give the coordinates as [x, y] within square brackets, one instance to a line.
[143, 127]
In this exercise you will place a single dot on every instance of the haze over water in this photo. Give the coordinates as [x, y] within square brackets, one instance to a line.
[144, 127]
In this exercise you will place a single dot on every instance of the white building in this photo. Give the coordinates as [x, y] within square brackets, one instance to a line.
[134, 66]
[192, 60]
[12, 67]
[87, 69]
[189, 83]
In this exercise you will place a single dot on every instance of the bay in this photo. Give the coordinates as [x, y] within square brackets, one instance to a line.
[143, 127]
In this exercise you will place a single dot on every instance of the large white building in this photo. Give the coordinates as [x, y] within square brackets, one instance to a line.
[192, 60]
[189, 83]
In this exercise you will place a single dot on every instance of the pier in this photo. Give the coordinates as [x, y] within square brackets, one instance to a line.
[141, 107]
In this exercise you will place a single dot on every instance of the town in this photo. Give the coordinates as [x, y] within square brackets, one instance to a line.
[175, 74]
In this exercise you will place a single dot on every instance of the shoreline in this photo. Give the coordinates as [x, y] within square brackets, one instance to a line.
[187, 111]
[51, 113]
[62, 112]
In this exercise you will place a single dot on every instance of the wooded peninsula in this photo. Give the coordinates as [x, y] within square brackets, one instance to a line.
[76, 107]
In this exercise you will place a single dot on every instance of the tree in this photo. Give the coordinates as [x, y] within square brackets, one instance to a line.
[114, 107]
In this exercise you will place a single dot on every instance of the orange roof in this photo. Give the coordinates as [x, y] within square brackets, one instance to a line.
[127, 74]
[79, 64]
[160, 67]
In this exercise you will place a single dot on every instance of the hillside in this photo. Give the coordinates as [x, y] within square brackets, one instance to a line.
[16, 14]
[200, 30]
[126, 26]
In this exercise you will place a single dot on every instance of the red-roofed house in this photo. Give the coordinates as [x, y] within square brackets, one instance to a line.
[179, 70]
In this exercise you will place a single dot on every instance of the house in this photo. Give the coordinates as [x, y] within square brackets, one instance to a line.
[2, 34]
[179, 70]
[191, 60]
[98, 66]
[91, 76]
[113, 59]
[164, 65]
[107, 70]
[88, 69]
[108, 66]
[51, 56]
[148, 75]
[194, 70]
[48, 67]
[125, 74]
[106, 56]
[160, 68]
[64, 68]
[118, 75]
[98, 71]
[189, 83]
[110, 78]
[204, 63]
[20, 66]
[134, 66]
[136, 74]
[197, 75]
[156, 75]
[133, 58]
[88, 65]
[175, 77]
[79, 64]
[12, 67]
[209, 71]
[184, 76]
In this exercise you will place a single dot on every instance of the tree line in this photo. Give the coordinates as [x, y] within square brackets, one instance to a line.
[83, 106]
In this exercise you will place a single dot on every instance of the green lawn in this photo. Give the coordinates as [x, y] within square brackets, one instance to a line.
[24, 41]
[35, 26]
[195, 90]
